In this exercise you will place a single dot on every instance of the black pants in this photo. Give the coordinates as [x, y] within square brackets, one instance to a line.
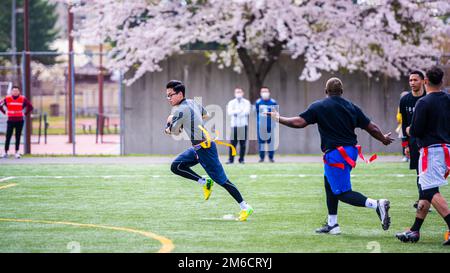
[238, 135]
[11, 125]
[414, 156]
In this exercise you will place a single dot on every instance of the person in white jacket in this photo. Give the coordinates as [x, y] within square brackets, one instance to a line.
[239, 110]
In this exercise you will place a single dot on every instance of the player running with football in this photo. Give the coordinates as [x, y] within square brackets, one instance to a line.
[337, 119]
[189, 116]
[431, 127]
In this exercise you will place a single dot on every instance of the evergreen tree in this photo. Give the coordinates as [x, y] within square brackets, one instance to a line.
[42, 20]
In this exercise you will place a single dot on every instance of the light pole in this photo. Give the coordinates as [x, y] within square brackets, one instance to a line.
[70, 72]
[13, 34]
[27, 87]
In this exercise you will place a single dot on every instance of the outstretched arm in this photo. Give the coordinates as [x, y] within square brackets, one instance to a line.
[376, 133]
[293, 122]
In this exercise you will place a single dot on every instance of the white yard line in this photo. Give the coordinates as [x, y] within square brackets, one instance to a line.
[251, 176]
[7, 178]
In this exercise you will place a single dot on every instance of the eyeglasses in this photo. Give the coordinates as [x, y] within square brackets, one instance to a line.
[170, 96]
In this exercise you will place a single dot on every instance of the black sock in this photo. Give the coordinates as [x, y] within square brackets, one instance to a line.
[417, 224]
[353, 198]
[447, 220]
[233, 191]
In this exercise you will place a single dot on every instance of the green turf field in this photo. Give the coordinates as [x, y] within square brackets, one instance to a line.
[288, 200]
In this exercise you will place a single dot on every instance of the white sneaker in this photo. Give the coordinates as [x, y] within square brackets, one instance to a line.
[333, 230]
[5, 155]
[17, 155]
[383, 213]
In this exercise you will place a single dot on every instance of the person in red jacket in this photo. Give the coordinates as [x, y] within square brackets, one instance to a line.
[14, 104]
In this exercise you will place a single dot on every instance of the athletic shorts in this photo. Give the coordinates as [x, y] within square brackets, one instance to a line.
[428, 194]
[208, 158]
[436, 168]
[339, 179]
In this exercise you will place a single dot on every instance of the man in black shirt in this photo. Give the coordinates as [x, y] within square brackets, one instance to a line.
[337, 119]
[407, 105]
[431, 127]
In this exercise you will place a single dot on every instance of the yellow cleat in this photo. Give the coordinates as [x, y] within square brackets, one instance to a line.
[447, 238]
[207, 188]
[244, 214]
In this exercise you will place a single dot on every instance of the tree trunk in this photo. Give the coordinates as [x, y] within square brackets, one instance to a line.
[256, 72]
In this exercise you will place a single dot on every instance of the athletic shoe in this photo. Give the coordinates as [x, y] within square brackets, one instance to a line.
[245, 213]
[5, 155]
[261, 161]
[207, 188]
[229, 162]
[272, 160]
[446, 238]
[333, 230]
[405, 159]
[17, 155]
[383, 213]
[408, 236]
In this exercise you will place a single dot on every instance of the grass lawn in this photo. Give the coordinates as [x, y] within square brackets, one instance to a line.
[288, 199]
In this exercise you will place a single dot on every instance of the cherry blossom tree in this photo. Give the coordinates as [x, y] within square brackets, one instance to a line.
[375, 36]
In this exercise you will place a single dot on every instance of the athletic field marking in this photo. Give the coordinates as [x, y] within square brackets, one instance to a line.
[7, 178]
[8, 186]
[252, 176]
[167, 245]
[221, 219]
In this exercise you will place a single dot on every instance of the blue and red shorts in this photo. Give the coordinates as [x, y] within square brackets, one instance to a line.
[337, 169]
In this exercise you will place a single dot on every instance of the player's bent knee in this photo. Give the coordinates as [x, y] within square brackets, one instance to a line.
[174, 167]
[423, 205]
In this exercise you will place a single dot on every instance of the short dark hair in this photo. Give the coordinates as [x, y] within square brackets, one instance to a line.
[177, 86]
[172, 84]
[417, 72]
[15, 86]
[265, 87]
[180, 88]
[334, 86]
[435, 76]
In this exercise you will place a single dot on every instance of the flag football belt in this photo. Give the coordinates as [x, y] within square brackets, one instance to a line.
[347, 159]
[446, 156]
[11, 112]
[207, 143]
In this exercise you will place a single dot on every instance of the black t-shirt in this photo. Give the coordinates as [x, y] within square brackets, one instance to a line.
[407, 106]
[337, 119]
[431, 119]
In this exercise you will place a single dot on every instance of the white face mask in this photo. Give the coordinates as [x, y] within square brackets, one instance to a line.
[238, 95]
[265, 95]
